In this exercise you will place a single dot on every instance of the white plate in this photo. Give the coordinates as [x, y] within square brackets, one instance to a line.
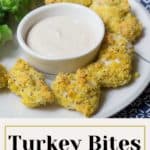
[113, 100]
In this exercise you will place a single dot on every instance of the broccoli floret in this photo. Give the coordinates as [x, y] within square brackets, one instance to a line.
[17, 8]
[10, 5]
[5, 34]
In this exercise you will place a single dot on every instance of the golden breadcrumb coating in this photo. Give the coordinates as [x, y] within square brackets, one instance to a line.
[119, 20]
[116, 40]
[76, 91]
[82, 2]
[111, 15]
[130, 27]
[117, 69]
[114, 65]
[123, 4]
[30, 85]
[3, 77]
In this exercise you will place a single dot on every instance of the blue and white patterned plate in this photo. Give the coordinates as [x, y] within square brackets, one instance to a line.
[146, 4]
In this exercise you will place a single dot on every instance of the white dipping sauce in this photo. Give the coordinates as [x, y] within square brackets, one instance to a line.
[62, 37]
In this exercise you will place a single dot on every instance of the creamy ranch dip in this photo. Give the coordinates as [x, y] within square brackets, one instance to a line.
[62, 37]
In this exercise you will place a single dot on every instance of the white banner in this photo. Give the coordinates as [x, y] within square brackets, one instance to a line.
[102, 134]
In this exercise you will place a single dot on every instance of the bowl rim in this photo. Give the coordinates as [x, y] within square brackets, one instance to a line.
[36, 11]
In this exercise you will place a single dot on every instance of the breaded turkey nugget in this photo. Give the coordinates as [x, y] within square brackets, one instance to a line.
[119, 20]
[110, 15]
[130, 27]
[114, 65]
[3, 77]
[76, 91]
[30, 85]
[82, 2]
[123, 4]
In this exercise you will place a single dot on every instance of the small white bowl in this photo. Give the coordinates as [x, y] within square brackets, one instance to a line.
[53, 65]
